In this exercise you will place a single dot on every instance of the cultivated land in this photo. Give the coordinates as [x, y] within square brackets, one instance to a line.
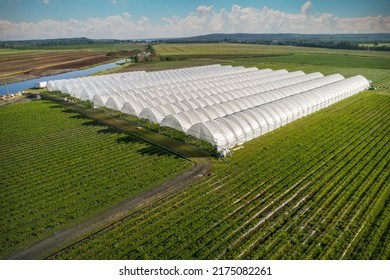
[60, 168]
[20, 65]
[30, 65]
[314, 189]
[374, 65]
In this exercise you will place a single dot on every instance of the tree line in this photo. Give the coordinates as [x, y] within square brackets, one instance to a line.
[61, 43]
[379, 41]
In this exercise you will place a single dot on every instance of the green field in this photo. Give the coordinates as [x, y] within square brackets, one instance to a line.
[59, 168]
[374, 65]
[224, 49]
[314, 189]
[317, 188]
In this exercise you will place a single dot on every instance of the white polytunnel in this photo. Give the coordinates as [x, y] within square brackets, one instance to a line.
[115, 102]
[282, 111]
[223, 105]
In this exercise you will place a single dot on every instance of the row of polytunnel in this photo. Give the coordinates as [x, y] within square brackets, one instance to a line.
[223, 105]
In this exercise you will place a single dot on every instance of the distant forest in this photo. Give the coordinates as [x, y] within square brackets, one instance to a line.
[61, 43]
[379, 41]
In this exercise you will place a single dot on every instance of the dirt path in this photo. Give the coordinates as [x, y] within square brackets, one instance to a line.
[77, 233]
[14, 100]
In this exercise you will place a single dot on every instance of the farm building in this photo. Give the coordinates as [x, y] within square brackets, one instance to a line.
[40, 84]
[223, 105]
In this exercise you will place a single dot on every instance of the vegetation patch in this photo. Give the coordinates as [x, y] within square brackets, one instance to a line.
[124, 53]
[59, 168]
[314, 189]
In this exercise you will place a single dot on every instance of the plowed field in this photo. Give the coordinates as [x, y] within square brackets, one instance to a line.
[23, 66]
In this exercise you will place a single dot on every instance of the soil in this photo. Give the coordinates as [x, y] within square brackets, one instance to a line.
[25, 66]
[14, 100]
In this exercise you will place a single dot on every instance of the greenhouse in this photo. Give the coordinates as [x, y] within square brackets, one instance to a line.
[223, 105]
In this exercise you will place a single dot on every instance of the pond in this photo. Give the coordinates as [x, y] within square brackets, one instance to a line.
[16, 87]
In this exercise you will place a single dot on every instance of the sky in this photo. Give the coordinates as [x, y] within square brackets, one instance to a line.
[144, 19]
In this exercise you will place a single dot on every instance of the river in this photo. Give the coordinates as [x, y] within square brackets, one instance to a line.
[16, 87]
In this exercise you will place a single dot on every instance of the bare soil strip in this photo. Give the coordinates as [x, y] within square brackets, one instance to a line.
[65, 238]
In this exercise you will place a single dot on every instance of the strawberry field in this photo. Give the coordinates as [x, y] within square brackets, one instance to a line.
[315, 189]
[59, 168]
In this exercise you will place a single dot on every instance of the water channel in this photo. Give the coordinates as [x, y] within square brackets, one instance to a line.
[19, 86]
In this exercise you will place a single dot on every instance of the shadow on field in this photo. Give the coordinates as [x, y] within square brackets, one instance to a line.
[125, 138]
[74, 114]
[149, 149]
[153, 144]
[56, 106]
[89, 122]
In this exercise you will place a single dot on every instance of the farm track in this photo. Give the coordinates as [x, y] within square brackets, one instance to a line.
[116, 214]
[82, 231]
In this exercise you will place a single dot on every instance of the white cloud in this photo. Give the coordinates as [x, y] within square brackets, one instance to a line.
[305, 9]
[45, 1]
[205, 19]
[204, 10]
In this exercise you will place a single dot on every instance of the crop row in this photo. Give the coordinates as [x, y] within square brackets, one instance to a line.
[310, 192]
[53, 180]
[13, 120]
[299, 192]
[335, 214]
[73, 155]
[383, 83]
[338, 188]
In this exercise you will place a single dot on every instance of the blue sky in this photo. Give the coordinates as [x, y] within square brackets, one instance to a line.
[148, 18]
[36, 10]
